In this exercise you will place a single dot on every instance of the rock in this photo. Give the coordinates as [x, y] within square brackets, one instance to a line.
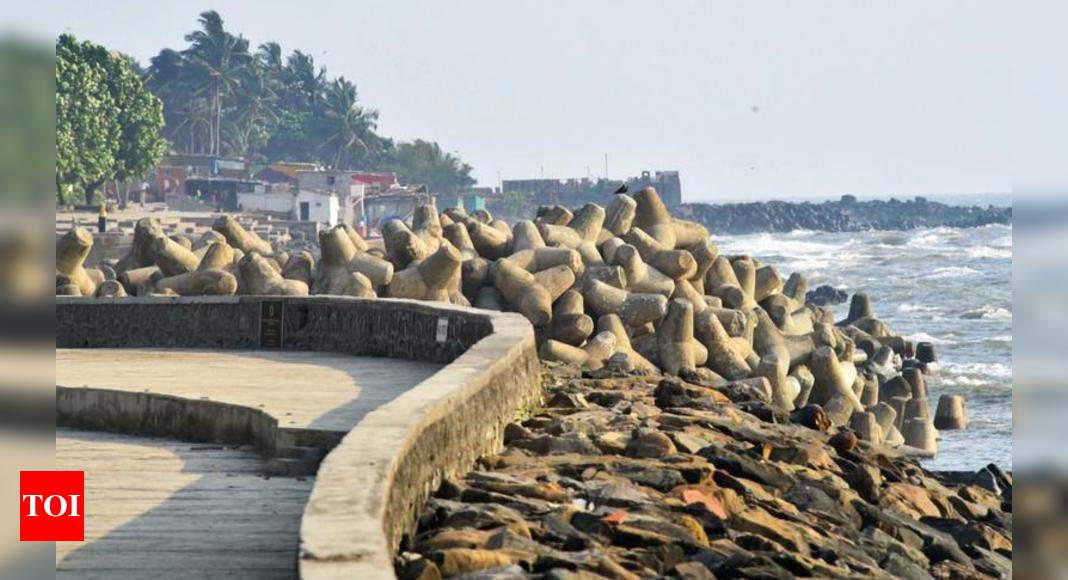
[419, 569]
[811, 416]
[867, 480]
[824, 295]
[693, 571]
[986, 479]
[844, 441]
[760, 522]
[516, 432]
[454, 561]
[568, 401]
[650, 443]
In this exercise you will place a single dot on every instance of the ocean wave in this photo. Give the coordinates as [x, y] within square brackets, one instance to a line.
[988, 312]
[975, 371]
[989, 253]
[952, 272]
[924, 337]
[906, 307]
[935, 237]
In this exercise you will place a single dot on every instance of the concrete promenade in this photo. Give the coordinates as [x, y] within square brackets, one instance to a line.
[158, 508]
[164, 508]
[302, 390]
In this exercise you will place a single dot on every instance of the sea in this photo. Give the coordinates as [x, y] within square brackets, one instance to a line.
[951, 287]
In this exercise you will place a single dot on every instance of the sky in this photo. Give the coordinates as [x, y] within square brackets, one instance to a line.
[748, 100]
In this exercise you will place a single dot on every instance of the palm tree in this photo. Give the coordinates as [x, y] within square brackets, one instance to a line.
[304, 83]
[257, 102]
[269, 56]
[218, 60]
[348, 129]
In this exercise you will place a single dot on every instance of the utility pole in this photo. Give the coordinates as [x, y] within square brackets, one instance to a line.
[606, 166]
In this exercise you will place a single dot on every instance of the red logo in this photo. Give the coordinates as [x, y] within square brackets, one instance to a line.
[52, 506]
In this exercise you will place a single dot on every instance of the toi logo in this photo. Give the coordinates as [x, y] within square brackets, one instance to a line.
[52, 506]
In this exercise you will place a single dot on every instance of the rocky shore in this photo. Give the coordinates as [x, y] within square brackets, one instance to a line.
[846, 214]
[704, 415]
[624, 476]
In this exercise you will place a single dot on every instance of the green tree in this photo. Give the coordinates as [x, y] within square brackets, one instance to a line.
[85, 130]
[139, 116]
[424, 162]
[272, 105]
[219, 62]
[107, 124]
[348, 130]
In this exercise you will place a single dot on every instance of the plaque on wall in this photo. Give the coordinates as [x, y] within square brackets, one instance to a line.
[271, 324]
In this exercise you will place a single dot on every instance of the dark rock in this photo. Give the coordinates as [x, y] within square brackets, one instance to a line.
[844, 441]
[824, 295]
[650, 443]
[693, 571]
[811, 416]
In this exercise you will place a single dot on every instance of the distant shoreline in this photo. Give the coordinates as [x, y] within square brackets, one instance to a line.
[843, 215]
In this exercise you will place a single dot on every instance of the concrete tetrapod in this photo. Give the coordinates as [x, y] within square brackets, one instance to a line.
[834, 379]
[217, 256]
[431, 279]
[724, 356]
[633, 308]
[141, 255]
[592, 356]
[199, 283]
[522, 291]
[950, 413]
[677, 349]
[570, 324]
[257, 278]
[173, 258]
[653, 217]
[240, 238]
[641, 277]
[403, 246]
[71, 251]
[300, 266]
[525, 236]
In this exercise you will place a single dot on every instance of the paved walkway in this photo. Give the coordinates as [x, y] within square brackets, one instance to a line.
[307, 390]
[158, 508]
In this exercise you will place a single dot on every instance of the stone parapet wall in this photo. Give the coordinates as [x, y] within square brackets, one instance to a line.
[370, 487]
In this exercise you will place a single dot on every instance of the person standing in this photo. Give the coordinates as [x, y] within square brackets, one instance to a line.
[102, 220]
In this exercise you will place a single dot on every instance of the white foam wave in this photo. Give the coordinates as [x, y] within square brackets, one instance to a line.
[989, 253]
[906, 307]
[924, 337]
[988, 312]
[952, 272]
[976, 371]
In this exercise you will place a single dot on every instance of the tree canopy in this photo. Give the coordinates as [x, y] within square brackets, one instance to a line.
[107, 124]
[221, 97]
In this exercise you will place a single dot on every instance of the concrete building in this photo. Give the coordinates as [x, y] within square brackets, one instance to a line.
[174, 171]
[319, 207]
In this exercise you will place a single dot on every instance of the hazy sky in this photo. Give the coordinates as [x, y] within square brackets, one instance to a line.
[746, 99]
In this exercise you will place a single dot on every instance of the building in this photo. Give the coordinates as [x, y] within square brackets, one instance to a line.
[375, 182]
[291, 168]
[174, 171]
[319, 207]
[577, 191]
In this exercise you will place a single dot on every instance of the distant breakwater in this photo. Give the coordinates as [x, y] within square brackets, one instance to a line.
[844, 215]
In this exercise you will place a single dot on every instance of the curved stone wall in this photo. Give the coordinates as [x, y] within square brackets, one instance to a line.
[369, 488]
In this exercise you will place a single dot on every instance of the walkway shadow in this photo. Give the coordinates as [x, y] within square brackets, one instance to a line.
[380, 381]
